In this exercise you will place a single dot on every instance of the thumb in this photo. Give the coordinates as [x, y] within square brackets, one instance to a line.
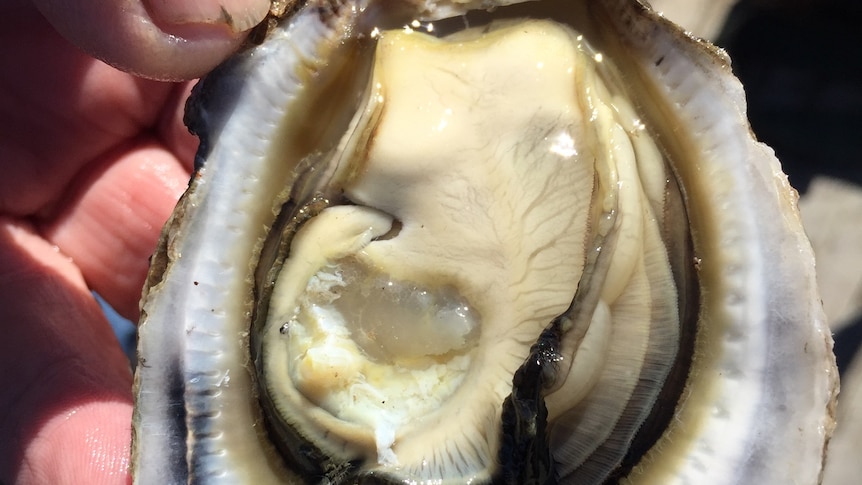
[159, 39]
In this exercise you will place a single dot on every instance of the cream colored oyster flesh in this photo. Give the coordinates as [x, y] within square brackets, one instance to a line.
[538, 245]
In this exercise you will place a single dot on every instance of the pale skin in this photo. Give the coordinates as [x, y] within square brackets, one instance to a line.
[92, 160]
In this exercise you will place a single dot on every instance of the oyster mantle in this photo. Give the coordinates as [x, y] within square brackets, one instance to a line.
[756, 404]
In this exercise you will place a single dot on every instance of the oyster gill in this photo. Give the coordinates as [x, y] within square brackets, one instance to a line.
[546, 294]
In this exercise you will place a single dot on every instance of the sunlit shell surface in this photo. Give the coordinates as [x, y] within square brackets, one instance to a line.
[532, 245]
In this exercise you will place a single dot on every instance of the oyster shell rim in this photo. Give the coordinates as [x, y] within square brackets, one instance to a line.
[783, 191]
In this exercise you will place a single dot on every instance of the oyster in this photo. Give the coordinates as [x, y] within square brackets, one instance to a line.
[533, 245]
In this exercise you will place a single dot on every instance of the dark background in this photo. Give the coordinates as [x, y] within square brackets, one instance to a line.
[801, 65]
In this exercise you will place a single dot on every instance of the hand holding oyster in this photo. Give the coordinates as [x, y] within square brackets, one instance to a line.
[426, 243]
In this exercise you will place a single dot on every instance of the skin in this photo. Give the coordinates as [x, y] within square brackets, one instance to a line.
[93, 160]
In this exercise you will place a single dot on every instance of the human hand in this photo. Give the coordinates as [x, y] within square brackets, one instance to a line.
[92, 161]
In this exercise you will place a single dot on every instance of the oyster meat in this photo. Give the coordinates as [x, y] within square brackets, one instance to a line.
[427, 243]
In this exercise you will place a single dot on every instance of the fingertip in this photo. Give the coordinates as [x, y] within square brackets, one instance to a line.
[160, 39]
[88, 443]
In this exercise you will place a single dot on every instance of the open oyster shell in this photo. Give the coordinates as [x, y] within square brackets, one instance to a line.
[536, 245]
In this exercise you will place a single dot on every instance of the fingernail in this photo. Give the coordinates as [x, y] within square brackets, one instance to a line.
[178, 15]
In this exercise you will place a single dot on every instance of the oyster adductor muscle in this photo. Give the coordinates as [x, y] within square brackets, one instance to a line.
[532, 245]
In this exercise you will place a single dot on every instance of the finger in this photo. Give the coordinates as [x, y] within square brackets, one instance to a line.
[110, 224]
[66, 405]
[60, 110]
[160, 39]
